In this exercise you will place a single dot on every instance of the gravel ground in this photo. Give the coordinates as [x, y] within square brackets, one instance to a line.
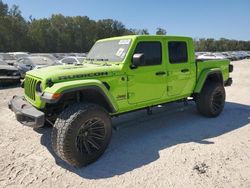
[175, 147]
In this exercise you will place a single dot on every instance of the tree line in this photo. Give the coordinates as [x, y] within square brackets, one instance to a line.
[212, 45]
[77, 33]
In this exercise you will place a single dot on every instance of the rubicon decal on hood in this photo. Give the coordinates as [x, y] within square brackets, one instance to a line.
[83, 75]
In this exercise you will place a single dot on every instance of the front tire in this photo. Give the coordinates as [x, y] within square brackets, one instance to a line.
[210, 102]
[81, 134]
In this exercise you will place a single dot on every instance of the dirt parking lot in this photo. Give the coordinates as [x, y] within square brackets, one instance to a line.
[174, 147]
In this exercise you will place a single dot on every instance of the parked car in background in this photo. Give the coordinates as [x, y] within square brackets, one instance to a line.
[219, 55]
[10, 59]
[248, 54]
[244, 54]
[211, 56]
[33, 62]
[238, 55]
[47, 55]
[229, 56]
[72, 60]
[8, 74]
[60, 56]
[19, 55]
[200, 53]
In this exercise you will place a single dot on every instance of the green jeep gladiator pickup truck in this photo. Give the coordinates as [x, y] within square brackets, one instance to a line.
[119, 75]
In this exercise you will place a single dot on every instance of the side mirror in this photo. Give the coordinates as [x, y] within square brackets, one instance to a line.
[138, 60]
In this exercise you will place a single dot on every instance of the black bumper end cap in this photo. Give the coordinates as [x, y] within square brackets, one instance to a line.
[26, 113]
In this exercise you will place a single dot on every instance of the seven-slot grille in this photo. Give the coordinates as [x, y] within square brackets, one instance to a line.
[30, 87]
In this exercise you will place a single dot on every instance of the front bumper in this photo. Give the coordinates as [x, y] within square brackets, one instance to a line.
[26, 113]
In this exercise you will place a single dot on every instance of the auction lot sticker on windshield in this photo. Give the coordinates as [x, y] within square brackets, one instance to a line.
[127, 41]
[119, 52]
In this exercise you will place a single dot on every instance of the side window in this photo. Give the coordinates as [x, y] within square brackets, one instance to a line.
[177, 52]
[152, 52]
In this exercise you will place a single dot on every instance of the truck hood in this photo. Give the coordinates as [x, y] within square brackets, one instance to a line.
[62, 73]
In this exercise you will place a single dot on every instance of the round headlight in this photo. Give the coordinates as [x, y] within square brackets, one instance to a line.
[39, 87]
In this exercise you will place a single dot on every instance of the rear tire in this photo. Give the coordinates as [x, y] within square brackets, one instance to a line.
[210, 102]
[81, 134]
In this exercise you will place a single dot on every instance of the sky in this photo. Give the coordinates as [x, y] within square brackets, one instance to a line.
[195, 18]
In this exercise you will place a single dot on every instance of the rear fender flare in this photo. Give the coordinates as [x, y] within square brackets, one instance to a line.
[203, 77]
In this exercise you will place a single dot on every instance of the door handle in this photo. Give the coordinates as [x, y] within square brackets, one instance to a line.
[160, 73]
[185, 70]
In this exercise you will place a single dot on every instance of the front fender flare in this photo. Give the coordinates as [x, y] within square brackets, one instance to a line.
[79, 85]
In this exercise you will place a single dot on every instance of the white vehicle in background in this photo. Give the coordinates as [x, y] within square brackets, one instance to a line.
[8, 74]
[244, 54]
[10, 59]
[211, 56]
[229, 56]
[46, 55]
[72, 60]
[197, 54]
[33, 62]
[238, 55]
[19, 55]
[248, 54]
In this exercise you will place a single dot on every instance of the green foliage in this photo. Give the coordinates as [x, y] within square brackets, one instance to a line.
[13, 29]
[3, 9]
[161, 31]
[77, 34]
[55, 34]
[212, 45]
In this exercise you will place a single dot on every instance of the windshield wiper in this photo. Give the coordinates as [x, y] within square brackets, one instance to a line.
[105, 60]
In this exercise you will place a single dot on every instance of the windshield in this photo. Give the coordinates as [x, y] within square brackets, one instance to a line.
[112, 51]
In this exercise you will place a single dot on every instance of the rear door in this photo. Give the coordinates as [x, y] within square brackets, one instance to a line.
[181, 71]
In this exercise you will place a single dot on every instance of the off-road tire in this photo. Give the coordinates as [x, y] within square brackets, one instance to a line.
[210, 102]
[78, 125]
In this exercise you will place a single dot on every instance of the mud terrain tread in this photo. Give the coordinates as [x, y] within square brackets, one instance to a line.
[62, 128]
[204, 99]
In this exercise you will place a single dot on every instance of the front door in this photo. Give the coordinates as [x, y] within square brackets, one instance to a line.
[147, 82]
